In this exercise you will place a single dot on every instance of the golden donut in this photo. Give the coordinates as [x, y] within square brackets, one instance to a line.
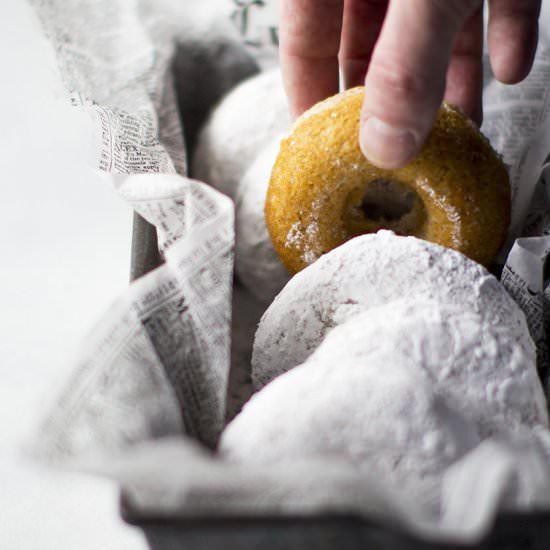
[323, 191]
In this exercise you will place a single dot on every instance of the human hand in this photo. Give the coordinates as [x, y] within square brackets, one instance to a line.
[414, 53]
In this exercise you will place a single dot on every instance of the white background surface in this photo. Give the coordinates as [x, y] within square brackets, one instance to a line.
[64, 253]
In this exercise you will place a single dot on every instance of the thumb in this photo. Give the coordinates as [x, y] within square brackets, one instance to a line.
[405, 82]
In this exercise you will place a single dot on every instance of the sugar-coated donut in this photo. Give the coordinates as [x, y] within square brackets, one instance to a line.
[323, 191]
[355, 407]
[473, 363]
[402, 390]
[257, 265]
[245, 122]
[368, 271]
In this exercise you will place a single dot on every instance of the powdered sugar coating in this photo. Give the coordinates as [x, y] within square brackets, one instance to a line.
[256, 263]
[369, 271]
[472, 363]
[358, 409]
[245, 122]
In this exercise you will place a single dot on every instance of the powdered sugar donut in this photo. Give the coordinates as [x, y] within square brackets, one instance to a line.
[368, 271]
[355, 408]
[256, 263]
[238, 129]
[475, 365]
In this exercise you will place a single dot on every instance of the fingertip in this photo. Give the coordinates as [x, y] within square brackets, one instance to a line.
[387, 146]
[512, 65]
[512, 48]
[405, 82]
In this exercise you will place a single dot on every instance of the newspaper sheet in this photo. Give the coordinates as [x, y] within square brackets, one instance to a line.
[121, 78]
[157, 364]
[516, 122]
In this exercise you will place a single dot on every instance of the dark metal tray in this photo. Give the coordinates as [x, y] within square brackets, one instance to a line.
[510, 532]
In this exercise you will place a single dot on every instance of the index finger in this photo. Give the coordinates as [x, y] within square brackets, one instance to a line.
[309, 40]
[406, 79]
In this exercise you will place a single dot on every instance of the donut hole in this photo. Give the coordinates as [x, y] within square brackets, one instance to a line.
[384, 204]
[380, 202]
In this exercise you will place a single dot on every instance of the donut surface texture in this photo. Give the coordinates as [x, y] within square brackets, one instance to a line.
[472, 363]
[244, 122]
[323, 191]
[403, 390]
[356, 407]
[369, 271]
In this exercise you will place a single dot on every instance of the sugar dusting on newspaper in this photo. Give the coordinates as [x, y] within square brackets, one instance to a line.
[152, 378]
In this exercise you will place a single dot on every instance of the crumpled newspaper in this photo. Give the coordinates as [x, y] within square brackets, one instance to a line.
[153, 377]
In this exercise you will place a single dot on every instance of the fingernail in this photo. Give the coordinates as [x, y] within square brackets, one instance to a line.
[385, 145]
